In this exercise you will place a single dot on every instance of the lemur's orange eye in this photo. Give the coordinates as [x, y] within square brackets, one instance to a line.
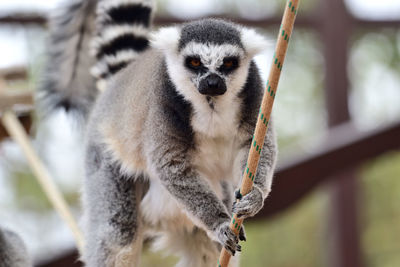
[195, 62]
[228, 64]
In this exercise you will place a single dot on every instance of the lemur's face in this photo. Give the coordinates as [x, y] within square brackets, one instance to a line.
[212, 68]
[208, 60]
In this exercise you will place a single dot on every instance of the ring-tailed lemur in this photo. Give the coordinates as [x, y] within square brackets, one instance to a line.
[13, 252]
[168, 139]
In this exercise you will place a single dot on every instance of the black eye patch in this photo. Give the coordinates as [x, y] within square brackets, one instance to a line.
[194, 64]
[229, 65]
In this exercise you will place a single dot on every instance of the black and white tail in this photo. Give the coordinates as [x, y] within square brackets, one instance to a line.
[91, 40]
[123, 28]
[66, 80]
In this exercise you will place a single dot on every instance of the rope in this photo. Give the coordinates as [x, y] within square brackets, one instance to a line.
[285, 32]
[17, 132]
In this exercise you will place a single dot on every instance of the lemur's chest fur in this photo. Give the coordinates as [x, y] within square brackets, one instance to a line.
[214, 157]
[215, 138]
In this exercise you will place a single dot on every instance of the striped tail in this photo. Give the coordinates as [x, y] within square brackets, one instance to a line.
[66, 81]
[122, 28]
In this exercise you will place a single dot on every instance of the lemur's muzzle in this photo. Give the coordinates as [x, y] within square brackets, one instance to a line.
[212, 85]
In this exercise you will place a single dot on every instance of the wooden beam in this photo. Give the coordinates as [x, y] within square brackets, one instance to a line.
[69, 259]
[26, 121]
[364, 23]
[24, 19]
[12, 98]
[302, 21]
[37, 19]
[14, 73]
[343, 148]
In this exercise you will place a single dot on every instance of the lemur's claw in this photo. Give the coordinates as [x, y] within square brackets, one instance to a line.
[238, 195]
[242, 234]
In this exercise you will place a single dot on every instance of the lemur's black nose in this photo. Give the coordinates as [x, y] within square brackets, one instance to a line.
[213, 81]
[212, 85]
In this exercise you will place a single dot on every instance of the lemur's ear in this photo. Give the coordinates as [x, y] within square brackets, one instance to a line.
[253, 42]
[166, 39]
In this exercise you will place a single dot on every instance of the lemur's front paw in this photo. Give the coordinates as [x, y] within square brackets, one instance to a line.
[250, 204]
[227, 238]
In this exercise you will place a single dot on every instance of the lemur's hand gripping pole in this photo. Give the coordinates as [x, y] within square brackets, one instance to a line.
[264, 115]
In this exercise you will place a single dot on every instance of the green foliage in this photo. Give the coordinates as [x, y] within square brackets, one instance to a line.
[381, 216]
[374, 66]
[299, 108]
[291, 239]
[29, 196]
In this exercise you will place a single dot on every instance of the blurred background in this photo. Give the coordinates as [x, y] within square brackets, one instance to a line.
[336, 195]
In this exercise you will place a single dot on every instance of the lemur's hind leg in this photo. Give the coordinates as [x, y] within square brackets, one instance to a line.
[111, 213]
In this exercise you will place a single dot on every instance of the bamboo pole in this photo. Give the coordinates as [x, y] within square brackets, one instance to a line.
[285, 32]
[17, 132]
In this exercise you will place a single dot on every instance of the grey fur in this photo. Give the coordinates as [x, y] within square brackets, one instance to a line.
[113, 199]
[13, 252]
[168, 148]
[228, 194]
[66, 80]
[214, 31]
[143, 125]
[142, 152]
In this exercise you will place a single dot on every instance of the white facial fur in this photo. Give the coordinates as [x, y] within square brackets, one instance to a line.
[222, 119]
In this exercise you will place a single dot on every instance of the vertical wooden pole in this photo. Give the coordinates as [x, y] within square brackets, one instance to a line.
[344, 247]
[343, 231]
